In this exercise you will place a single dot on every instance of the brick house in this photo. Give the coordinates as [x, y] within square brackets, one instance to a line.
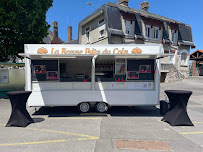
[119, 24]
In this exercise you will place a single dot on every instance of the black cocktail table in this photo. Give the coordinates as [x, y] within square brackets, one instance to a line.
[177, 114]
[19, 115]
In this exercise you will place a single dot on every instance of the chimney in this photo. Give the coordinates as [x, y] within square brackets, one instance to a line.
[55, 39]
[144, 6]
[123, 2]
[70, 33]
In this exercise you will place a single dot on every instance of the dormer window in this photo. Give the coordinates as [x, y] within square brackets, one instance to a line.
[173, 36]
[101, 22]
[148, 31]
[157, 33]
[87, 29]
[129, 27]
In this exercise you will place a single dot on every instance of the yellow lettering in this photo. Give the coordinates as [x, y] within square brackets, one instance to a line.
[56, 52]
[52, 50]
[64, 51]
[126, 52]
[98, 52]
[87, 50]
[114, 51]
[105, 51]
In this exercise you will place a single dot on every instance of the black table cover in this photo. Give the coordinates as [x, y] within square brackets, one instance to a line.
[177, 114]
[19, 115]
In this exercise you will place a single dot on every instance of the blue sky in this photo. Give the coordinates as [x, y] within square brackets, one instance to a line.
[71, 12]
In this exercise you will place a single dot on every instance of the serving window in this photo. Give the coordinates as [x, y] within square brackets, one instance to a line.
[104, 70]
[44, 70]
[75, 70]
[122, 70]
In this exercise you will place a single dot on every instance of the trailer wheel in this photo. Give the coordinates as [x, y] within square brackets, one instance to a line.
[84, 107]
[163, 107]
[101, 107]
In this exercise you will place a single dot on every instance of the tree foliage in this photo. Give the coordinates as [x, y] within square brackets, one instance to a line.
[21, 22]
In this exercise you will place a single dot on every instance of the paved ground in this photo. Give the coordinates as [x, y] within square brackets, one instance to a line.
[64, 129]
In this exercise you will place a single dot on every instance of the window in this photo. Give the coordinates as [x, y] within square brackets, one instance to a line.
[148, 31]
[87, 37]
[87, 34]
[104, 70]
[128, 26]
[184, 59]
[75, 70]
[156, 33]
[101, 33]
[101, 28]
[172, 59]
[101, 22]
[173, 35]
[87, 29]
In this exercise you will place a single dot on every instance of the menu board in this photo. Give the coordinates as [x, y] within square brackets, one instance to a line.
[39, 69]
[52, 75]
[145, 68]
[133, 74]
[140, 69]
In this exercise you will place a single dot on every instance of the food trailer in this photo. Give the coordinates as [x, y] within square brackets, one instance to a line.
[83, 75]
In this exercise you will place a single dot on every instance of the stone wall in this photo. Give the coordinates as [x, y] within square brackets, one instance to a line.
[173, 74]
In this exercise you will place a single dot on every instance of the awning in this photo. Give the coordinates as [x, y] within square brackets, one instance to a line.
[53, 56]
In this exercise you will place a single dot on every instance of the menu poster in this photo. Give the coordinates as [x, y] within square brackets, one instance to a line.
[130, 85]
[39, 69]
[133, 74]
[138, 86]
[145, 68]
[120, 69]
[52, 75]
[145, 86]
[113, 85]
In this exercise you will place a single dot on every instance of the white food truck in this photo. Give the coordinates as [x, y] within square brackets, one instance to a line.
[83, 75]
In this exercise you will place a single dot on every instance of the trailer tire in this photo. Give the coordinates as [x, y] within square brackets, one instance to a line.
[101, 107]
[84, 107]
[163, 107]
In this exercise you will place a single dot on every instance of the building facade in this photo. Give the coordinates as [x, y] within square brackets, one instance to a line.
[119, 24]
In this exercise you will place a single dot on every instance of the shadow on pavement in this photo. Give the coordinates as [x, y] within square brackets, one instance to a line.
[37, 120]
[141, 111]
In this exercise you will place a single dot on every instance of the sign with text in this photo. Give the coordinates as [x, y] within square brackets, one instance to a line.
[110, 49]
[4, 76]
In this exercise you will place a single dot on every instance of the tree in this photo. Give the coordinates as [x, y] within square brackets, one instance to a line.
[21, 22]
